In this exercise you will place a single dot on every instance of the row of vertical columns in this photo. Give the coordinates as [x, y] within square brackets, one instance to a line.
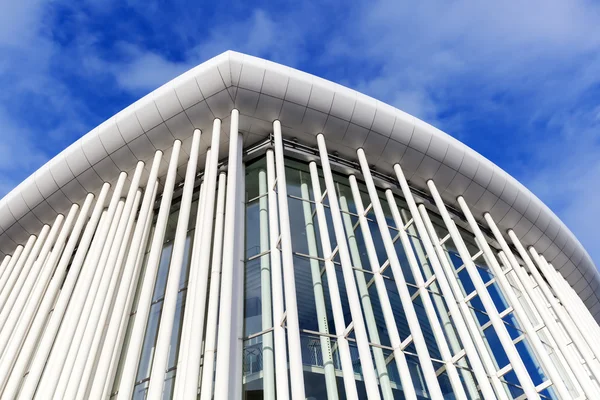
[362, 341]
[161, 354]
[318, 292]
[537, 345]
[138, 330]
[122, 297]
[388, 314]
[512, 299]
[32, 244]
[400, 281]
[497, 323]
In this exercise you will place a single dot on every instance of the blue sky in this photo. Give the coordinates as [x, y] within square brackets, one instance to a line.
[517, 81]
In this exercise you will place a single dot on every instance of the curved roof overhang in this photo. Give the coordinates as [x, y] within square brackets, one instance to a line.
[306, 105]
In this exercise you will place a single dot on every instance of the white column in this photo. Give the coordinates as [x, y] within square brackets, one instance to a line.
[6, 363]
[563, 317]
[197, 313]
[289, 281]
[386, 307]
[587, 330]
[225, 339]
[124, 296]
[161, 354]
[18, 324]
[96, 327]
[9, 268]
[430, 376]
[70, 318]
[265, 291]
[319, 295]
[73, 372]
[208, 365]
[5, 262]
[362, 341]
[281, 367]
[537, 345]
[239, 265]
[464, 322]
[49, 297]
[497, 323]
[6, 289]
[15, 292]
[140, 323]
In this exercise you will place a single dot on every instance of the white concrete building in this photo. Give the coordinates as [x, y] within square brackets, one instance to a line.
[250, 231]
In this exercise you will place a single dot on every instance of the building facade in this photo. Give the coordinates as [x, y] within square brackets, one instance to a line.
[249, 231]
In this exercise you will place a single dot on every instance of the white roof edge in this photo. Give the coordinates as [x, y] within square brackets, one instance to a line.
[306, 105]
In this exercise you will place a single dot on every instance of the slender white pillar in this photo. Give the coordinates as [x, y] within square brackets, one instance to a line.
[289, 281]
[318, 294]
[96, 327]
[6, 363]
[586, 330]
[198, 312]
[5, 262]
[138, 331]
[362, 341]
[210, 346]
[18, 325]
[17, 271]
[161, 354]
[124, 297]
[408, 387]
[265, 290]
[83, 345]
[71, 318]
[430, 376]
[279, 337]
[464, 322]
[9, 268]
[15, 292]
[537, 345]
[562, 315]
[490, 308]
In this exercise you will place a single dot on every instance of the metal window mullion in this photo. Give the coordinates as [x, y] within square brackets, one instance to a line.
[197, 312]
[490, 308]
[7, 289]
[512, 299]
[208, 364]
[430, 377]
[430, 311]
[161, 352]
[386, 307]
[566, 327]
[370, 377]
[318, 293]
[123, 296]
[130, 366]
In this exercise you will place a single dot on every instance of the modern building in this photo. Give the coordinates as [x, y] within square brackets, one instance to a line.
[250, 231]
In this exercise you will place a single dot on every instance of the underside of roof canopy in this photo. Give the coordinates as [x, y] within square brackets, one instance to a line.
[306, 105]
